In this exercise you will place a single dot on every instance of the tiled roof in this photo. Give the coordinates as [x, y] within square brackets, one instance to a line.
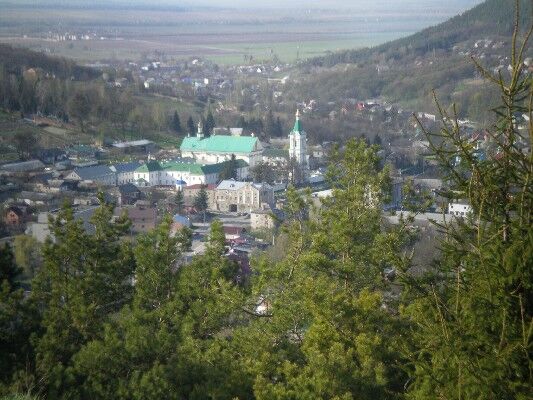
[220, 144]
[126, 167]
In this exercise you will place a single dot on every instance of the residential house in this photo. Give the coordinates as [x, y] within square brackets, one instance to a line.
[460, 208]
[143, 219]
[265, 217]
[126, 172]
[179, 222]
[98, 174]
[82, 153]
[128, 194]
[190, 192]
[233, 196]
[61, 186]
[37, 199]
[233, 232]
[52, 156]
[40, 229]
[275, 156]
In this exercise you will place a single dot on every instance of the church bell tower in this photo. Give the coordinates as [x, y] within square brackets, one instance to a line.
[298, 146]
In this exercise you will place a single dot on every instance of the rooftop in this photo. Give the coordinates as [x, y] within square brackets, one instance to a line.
[126, 167]
[90, 173]
[221, 144]
[232, 184]
[133, 143]
[192, 168]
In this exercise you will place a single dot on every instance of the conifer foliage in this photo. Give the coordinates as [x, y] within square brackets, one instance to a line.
[472, 316]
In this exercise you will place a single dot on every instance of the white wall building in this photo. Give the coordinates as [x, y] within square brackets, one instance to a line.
[460, 208]
[182, 174]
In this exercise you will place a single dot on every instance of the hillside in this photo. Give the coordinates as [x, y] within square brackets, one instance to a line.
[492, 18]
[406, 70]
[15, 60]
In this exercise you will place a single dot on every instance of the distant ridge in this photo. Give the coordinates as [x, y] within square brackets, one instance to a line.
[492, 17]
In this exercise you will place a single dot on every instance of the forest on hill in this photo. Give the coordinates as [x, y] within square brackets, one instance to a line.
[493, 18]
[407, 70]
[15, 60]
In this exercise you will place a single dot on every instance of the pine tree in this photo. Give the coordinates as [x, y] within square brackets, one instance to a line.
[176, 123]
[9, 271]
[173, 341]
[201, 201]
[472, 316]
[209, 124]
[179, 201]
[85, 279]
[17, 323]
[327, 329]
[270, 125]
[191, 128]
[230, 169]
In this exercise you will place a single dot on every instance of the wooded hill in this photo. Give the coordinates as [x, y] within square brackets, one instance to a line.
[15, 60]
[406, 70]
[490, 18]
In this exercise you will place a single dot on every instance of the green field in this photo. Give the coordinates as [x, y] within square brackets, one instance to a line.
[223, 35]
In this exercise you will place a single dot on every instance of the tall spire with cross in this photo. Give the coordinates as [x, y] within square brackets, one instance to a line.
[298, 146]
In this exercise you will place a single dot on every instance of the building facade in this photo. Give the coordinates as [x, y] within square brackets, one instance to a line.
[98, 174]
[234, 196]
[125, 172]
[155, 173]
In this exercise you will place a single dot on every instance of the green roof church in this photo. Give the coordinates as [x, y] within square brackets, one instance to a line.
[218, 148]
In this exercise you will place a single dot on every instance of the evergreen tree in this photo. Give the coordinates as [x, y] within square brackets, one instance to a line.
[9, 271]
[472, 315]
[326, 328]
[179, 201]
[270, 125]
[18, 322]
[209, 124]
[176, 123]
[263, 172]
[172, 342]
[191, 128]
[26, 143]
[201, 201]
[230, 169]
[84, 280]
[279, 128]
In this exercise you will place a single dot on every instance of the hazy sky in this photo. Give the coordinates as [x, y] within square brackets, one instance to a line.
[366, 4]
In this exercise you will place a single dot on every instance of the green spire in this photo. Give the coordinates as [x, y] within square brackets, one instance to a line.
[297, 123]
